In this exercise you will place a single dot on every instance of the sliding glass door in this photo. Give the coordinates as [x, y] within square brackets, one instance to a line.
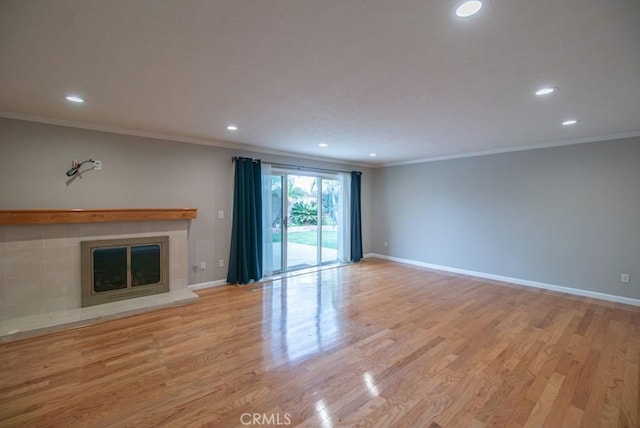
[304, 220]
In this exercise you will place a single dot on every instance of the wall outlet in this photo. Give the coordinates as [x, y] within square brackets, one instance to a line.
[221, 263]
[203, 266]
[386, 244]
[221, 214]
[195, 267]
[624, 277]
[97, 165]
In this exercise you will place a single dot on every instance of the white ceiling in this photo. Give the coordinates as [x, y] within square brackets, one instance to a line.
[402, 78]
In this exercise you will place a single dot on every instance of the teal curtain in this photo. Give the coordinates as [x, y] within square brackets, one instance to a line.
[245, 260]
[356, 217]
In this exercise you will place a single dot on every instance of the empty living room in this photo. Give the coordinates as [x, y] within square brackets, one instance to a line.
[320, 213]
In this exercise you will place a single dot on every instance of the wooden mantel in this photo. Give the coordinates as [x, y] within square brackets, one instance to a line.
[95, 215]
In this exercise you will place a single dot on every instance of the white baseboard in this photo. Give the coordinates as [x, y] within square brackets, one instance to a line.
[525, 282]
[209, 284]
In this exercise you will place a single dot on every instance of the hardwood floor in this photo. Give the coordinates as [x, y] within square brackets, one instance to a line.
[373, 344]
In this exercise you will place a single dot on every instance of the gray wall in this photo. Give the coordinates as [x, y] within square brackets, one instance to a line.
[137, 172]
[567, 216]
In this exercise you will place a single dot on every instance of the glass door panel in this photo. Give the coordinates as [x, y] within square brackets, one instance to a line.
[276, 221]
[329, 233]
[302, 222]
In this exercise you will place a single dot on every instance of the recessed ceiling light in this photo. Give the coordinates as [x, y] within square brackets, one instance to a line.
[323, 145]
[74, 99]
[546, 90]
[466, 8]
[569, 122]
[232, 128]
[373, 155]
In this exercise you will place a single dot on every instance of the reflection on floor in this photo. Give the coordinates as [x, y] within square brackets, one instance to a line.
[303, 319]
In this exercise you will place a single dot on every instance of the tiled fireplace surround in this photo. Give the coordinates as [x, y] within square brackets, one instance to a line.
[40, 288]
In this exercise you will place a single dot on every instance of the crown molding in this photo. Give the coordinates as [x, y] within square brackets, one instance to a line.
[258, 149]
[514, 149]
[174, 138]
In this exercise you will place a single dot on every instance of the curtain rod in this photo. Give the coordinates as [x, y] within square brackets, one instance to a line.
[298, 167]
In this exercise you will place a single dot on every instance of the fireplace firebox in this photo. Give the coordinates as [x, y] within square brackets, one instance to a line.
[118, 269]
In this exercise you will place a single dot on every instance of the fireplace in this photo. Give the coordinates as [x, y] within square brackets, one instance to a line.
[118, 269]
[41, 256]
